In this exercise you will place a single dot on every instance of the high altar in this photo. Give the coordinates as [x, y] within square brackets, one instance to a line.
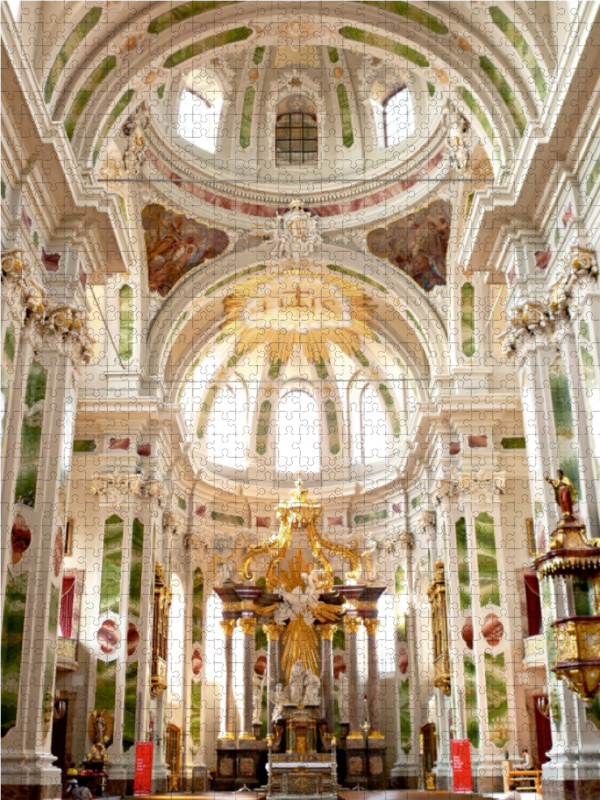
[299, 606]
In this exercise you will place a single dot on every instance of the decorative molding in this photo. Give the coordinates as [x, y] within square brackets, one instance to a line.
[485, 485]
[50, 324]
[114, 489]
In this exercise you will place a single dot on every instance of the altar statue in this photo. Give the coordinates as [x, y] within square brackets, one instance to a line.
[564, 492]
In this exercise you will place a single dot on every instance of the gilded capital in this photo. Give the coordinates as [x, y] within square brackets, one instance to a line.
[327, 631]
[273, 631]
[248, 625]
[352, 624]
[228, 626]
[372, 625]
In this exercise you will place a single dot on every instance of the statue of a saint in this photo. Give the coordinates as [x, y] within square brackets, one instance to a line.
[564, 492]
[296, 684]
[312, 689]
[99, 727]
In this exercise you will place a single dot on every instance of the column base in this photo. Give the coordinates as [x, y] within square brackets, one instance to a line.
[570, 778]
[443, 775]
[488, 774]
[29, 776]
[405, 776]
[356, 764]
[376, 764]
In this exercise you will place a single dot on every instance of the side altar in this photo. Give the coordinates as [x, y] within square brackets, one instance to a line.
[299, 605]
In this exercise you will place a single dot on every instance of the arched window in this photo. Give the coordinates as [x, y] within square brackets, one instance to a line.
[225, 431]
[373, 426]
[298, 433]
[200, 106]
[296, 132]
[398, 117]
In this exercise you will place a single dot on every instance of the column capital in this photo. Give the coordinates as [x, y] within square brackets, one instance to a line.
[273, 631]
[352, 624]
[530, 323]
[115, 489]
[372, 625]
[327, 630]
[248, 625]
[52, 325]
[228, 626]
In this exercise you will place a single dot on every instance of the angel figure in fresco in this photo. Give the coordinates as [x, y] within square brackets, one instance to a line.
[564, 492]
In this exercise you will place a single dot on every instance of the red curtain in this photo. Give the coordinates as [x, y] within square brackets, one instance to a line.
[544, 735]
[534, 607]
[66, 606]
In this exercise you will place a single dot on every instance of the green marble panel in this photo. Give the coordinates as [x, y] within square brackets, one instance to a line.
[263, 427]
[390, 408]
[84, 95]
[513, 443]
[120, 106]
[333, 54]
[197, 606]
[383, 43]
[160, 91]
[400, 581]
[112, 557]
[359, 276]
[6, 371]
[412, 13]
[274, 369]
[106, 688]
[136, 564]
[247, 114]
[467, 319]
[236, 277]
[472, 712]
[181, 502]
[481, 117]
[515, 37]
[259, 54]
[207, 45]
[84, 446]
[13, 623]
[126, 322]
[563, 423]
[405, 723]
[228, 519]
[464, 573]
[332, 427]
[183, 12]
[339, 639]
[431, 89]
[129, 708]
[592, 177]
[593, 712]
[345, 115]
[205, 409]
[195, 706]
[487, 560]
[506, 93]
[362, 519]
[77, 35]
[260, 639]
[31, 435]
[49, 664]
[497, 699]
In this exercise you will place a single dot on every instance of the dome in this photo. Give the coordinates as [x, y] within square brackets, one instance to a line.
[296, 114]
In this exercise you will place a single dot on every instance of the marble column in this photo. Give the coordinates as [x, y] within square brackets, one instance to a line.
[228, 724]
[36, 467]
[373, 689]
[248, 626]
[273, 632]
[352, 626]
[327, 707]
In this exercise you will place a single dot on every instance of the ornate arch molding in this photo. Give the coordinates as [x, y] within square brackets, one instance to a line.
[195, 290]
[429, 43]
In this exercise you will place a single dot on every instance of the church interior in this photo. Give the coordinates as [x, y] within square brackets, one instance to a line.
[300, 399]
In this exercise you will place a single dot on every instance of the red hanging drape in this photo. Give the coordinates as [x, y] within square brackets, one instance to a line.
[534, 607]
[66, 606]
[544, 735]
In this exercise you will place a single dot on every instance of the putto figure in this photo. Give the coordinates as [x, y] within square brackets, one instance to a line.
[564, 492]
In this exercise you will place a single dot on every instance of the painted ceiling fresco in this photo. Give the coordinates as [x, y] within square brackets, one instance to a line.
[416, 244]
[175, 245]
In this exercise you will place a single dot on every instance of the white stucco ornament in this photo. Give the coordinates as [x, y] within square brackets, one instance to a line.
[296, 235]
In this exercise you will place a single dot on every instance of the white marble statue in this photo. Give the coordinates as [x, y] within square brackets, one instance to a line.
[304, 688]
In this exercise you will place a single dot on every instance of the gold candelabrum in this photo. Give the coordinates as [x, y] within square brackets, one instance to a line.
[576, 559]
[439, 627]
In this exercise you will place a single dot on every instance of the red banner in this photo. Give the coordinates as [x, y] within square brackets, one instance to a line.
[462, 776]
[144, 753]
